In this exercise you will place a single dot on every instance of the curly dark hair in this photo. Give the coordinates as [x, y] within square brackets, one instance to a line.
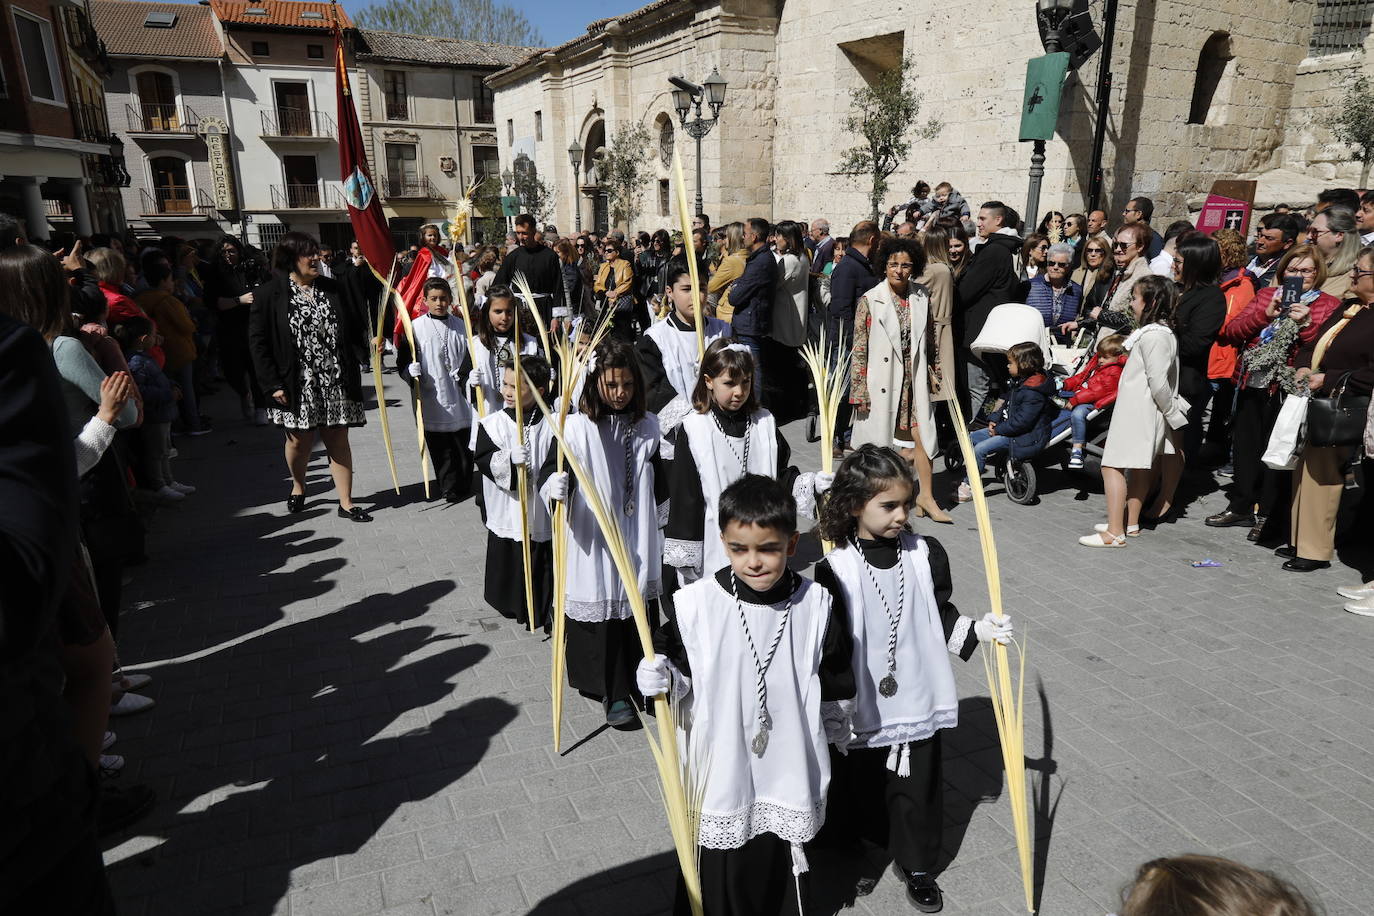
[913, 249]
[863, 474]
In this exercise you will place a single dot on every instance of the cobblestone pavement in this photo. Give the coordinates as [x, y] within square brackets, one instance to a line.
[343, 727]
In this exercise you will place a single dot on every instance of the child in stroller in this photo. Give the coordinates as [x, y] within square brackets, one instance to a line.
[1092, 389]
[1021, 426]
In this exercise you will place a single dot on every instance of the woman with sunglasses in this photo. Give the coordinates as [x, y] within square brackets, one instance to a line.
[1339, 358]
[614, 286]
[1268, 333]
[1052, 293]
[1094, 266]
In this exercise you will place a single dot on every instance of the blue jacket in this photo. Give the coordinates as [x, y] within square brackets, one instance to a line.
[751, 295]
[850, 279]
[159, 406]
[1040, 297]
[1026, 416]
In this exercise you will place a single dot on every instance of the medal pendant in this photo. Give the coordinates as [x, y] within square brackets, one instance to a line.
[630, 509]
[888, 686]
[760, 742]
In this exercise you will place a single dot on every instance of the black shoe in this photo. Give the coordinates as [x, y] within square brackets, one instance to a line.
[1289, 553]
[295, 503]
[921, 890]
[1302, 564]
[1258, 530]
[621, 715]
[356, 514]
[123, 807]
[1229, 519]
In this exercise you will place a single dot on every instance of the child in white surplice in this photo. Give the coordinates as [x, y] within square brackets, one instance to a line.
[499, 456]
[895, 588]
[726, 436]
[752, 651]
[668, 351]
[494, 345]
[438, 368]
[616, 440]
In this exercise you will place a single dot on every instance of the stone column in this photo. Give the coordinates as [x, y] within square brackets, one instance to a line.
[78, 195]
[35, 216]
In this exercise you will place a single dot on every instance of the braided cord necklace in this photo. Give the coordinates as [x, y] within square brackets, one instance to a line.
[748, 428]
[888, 685]
[629, 469]
[760, 742]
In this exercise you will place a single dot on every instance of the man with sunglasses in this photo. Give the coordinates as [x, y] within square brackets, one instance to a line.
[1142, 210]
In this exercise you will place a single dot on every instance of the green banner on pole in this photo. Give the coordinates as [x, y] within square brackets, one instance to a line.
[1044, 82]
[510, 205]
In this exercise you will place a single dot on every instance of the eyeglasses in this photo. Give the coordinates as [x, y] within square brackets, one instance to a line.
[1357, 273]
[1122, 246]
[1315, 233]
[1301, 272]
[1132, 210]
[1061, 264]
[1178, 262]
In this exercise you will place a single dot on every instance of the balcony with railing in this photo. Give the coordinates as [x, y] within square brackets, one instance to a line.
[175, 202]
[409, 186]
[163, 121]
[317, 196]
[397, 110]
[91, 124]
[57, 209]
[298, 124]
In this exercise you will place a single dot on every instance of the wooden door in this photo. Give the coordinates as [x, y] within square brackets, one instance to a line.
[170, 187]
[158, 101]
[302, 181]
[293, 110]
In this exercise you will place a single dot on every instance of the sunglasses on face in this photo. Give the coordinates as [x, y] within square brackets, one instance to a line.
[1060, 264]
[1122, 246]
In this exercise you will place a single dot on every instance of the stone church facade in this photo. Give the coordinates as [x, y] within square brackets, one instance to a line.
[1200, 92]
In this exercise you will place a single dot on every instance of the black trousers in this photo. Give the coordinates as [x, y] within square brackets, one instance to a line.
[903, 814]
[602, 658]
[1254, 483]
[754, 880]
[452, 461]
[237, 363]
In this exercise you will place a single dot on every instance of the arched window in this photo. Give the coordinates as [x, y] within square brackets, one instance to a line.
[665, 140]
[1212, 61]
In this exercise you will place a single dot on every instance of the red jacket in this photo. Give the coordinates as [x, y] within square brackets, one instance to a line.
[121, 307]
[1221, 362]
[1094, 385]
[1244, 329]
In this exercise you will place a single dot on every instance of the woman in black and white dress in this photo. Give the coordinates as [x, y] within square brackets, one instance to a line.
[307, 349]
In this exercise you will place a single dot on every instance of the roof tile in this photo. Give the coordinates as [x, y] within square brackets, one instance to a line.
[280, 13]
[428, 49]
[120, 24]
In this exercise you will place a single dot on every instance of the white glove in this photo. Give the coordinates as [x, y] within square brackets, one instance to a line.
[556, 487]
[822, 481]
[457, 376]
[475, 378]
[653, 677]
[413, 370]
[993, 628]
[517, 455]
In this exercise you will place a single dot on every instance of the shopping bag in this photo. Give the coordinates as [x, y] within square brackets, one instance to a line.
[1285, 441]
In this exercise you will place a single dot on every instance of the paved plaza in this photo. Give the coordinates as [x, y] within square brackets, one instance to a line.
[343, 727]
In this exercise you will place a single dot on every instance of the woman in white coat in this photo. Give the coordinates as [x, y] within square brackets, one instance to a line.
[889, 374]
[790, 295]
[1147, 417]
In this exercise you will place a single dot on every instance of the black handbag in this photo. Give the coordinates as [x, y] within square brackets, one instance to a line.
[1337, 421]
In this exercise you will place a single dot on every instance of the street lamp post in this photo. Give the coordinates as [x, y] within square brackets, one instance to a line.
[1051, 14]
[575, 157]
[688, 96]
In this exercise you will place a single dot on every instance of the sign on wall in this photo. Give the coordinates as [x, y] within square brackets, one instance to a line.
[1228, 207]
[216, 134]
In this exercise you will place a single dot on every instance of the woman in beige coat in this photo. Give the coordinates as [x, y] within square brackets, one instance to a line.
[938, 280]
[889, 373]
[1146, 418]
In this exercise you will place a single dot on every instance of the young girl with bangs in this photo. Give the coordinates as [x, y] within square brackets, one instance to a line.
[616, 440]
[727, 436]
[893, 588]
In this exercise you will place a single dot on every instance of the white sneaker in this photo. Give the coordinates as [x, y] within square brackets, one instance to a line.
[172, 452]
[1357, 592]
[131, 703]
[260, 417]
[182, 487]
[1364, 607]
[1096, 540]
[108, 741]
[111, 764]
[964, 493]
[168, 495]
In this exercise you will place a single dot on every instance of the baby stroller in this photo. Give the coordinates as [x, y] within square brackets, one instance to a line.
[1008, 325]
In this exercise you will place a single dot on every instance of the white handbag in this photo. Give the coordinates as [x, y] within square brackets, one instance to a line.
[1369, 433]
[1286, 439]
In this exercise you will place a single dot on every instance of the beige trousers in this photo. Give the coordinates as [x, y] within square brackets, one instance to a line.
[1317, 487]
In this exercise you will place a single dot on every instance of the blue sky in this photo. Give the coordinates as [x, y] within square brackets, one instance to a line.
[558, 20]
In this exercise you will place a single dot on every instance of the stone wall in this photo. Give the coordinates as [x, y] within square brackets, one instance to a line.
[1320, 85]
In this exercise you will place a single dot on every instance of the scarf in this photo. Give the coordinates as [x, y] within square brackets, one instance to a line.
[1320, 350]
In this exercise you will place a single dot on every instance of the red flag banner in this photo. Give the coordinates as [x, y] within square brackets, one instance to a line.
[360, 194]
